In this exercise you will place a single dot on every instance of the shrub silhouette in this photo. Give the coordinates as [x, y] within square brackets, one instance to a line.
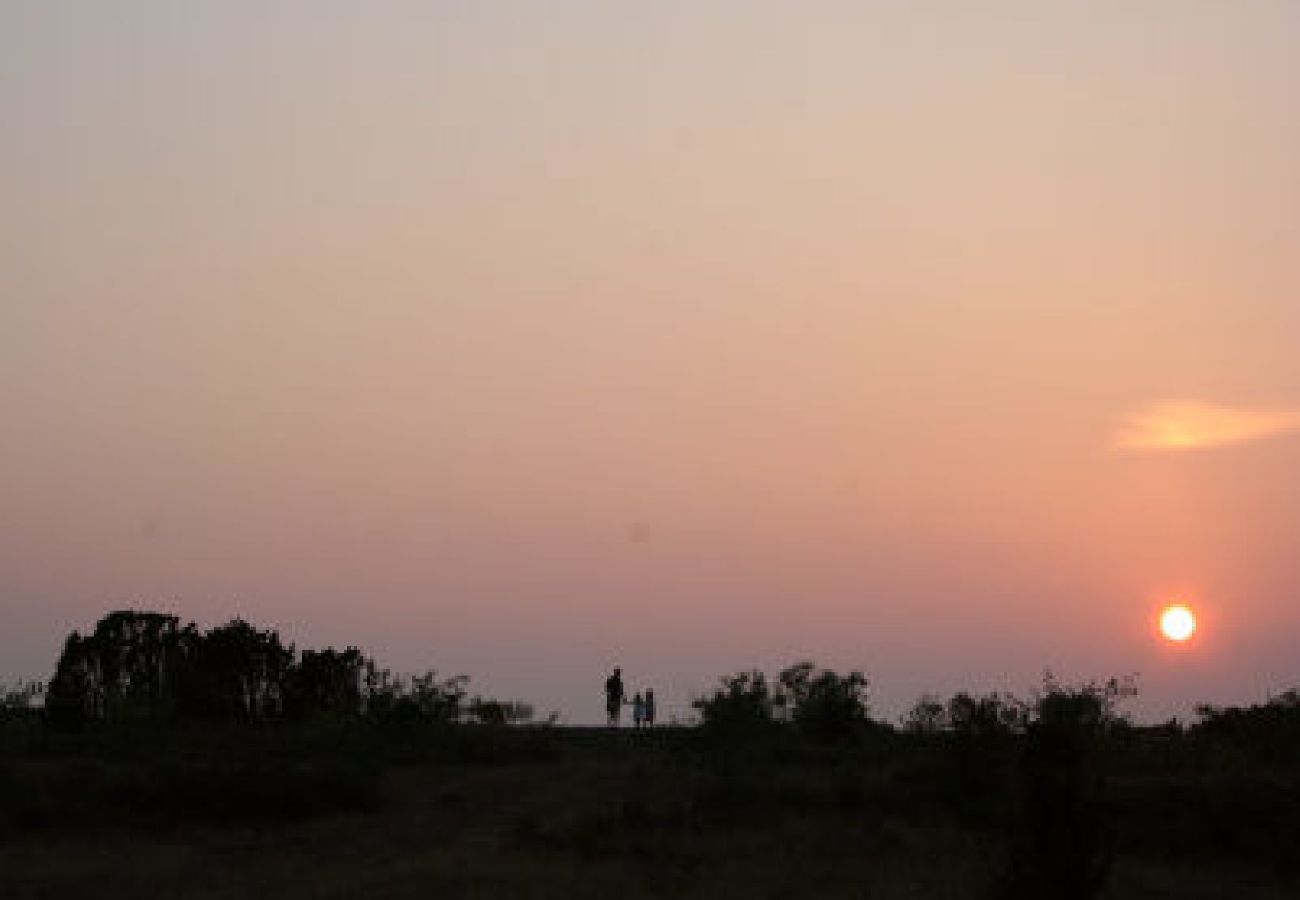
[825, 705]
[1267, 731]
[742, 704]
[417, 699]
[1063, 844]
[820, 704]
[974, 743]
[992, 716]
[499, 712]
[326, 682]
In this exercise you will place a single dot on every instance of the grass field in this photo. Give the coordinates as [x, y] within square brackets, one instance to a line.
[548, 812]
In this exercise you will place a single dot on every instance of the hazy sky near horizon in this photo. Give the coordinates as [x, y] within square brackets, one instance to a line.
[943, 340]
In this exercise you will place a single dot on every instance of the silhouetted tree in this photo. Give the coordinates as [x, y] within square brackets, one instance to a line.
[326, 681]
[128, 668]
[148, 665]
[742, 703]
[1063, 843]
[824, 704]
[425, 698]
[1266, 731]
[237, 673]
[992, 716]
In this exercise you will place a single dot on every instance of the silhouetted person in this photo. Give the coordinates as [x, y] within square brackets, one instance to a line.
[648, 713]
[614, 696]
[638, 711]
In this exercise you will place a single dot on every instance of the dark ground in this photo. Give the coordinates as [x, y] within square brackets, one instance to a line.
[574, 813]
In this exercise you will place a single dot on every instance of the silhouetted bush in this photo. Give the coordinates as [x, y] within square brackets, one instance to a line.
[416, 699]
[742, 705]
[969, 746]
[992, 716]
[1063, 840]
[1266, 732]
[825, 705]
[326, 682]
[499, 712]
[820, 704]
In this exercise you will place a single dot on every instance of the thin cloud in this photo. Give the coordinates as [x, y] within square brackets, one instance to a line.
[1189, 425]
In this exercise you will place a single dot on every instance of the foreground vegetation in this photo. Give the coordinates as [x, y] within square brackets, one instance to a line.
[788, 788]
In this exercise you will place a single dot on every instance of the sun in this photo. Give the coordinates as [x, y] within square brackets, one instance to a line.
[1177, 623]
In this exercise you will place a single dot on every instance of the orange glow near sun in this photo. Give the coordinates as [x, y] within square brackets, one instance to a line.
[1177, 623]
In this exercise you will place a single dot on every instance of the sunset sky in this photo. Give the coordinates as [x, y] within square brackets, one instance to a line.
[948, 341]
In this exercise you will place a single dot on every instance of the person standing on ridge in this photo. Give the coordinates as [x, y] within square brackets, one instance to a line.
[614, 696]
[648, 711]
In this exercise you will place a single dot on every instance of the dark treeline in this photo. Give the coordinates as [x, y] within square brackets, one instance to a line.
[141, 666]
[149, 722]
[1063, 777]
[150, 667]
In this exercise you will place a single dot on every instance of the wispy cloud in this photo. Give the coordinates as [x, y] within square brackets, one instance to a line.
[1189, 425]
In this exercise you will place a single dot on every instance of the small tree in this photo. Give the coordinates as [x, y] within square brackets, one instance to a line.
[425, 698]
[1065, 842]
[499, 712]
[742, 703]
[1269, 731]
[826, 705]
[987, 718]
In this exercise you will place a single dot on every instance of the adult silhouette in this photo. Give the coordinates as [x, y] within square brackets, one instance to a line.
[614, 696]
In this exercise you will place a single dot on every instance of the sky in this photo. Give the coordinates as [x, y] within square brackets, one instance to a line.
[946, 341]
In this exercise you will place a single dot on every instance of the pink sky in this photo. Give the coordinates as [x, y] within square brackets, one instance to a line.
[943, 342]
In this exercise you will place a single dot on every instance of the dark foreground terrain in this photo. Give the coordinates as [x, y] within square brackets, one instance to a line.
[348, 810]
